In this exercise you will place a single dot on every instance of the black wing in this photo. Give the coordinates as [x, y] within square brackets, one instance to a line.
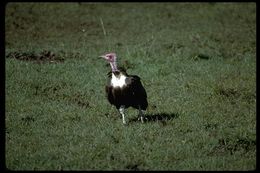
[139, 93]
[109, 94]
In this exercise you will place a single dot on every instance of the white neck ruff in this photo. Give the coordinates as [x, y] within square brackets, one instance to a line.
[118, 81]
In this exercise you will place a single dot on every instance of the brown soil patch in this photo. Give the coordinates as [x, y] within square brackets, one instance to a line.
[42, 57]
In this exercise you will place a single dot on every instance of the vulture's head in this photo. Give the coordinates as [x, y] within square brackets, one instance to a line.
[110, 57]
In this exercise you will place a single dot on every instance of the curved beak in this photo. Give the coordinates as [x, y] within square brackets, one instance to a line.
[102, 56]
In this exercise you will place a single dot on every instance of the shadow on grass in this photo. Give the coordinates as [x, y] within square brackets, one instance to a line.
[159, 117]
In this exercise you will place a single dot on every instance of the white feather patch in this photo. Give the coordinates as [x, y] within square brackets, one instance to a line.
[118, 81]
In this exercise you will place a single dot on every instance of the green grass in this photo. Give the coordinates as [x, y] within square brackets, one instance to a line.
[197, 63]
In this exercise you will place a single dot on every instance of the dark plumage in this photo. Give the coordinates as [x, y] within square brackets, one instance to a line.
[132, 94]
[123, 90]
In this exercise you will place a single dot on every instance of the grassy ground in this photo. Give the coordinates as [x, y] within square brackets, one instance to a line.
[197, 63]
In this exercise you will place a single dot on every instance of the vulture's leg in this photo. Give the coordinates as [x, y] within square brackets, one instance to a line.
[141, 115]
[121, 110]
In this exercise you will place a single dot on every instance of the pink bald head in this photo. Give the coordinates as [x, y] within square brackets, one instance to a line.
[110, 57]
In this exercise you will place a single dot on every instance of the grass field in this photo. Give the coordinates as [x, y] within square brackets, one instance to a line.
[197, 62]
